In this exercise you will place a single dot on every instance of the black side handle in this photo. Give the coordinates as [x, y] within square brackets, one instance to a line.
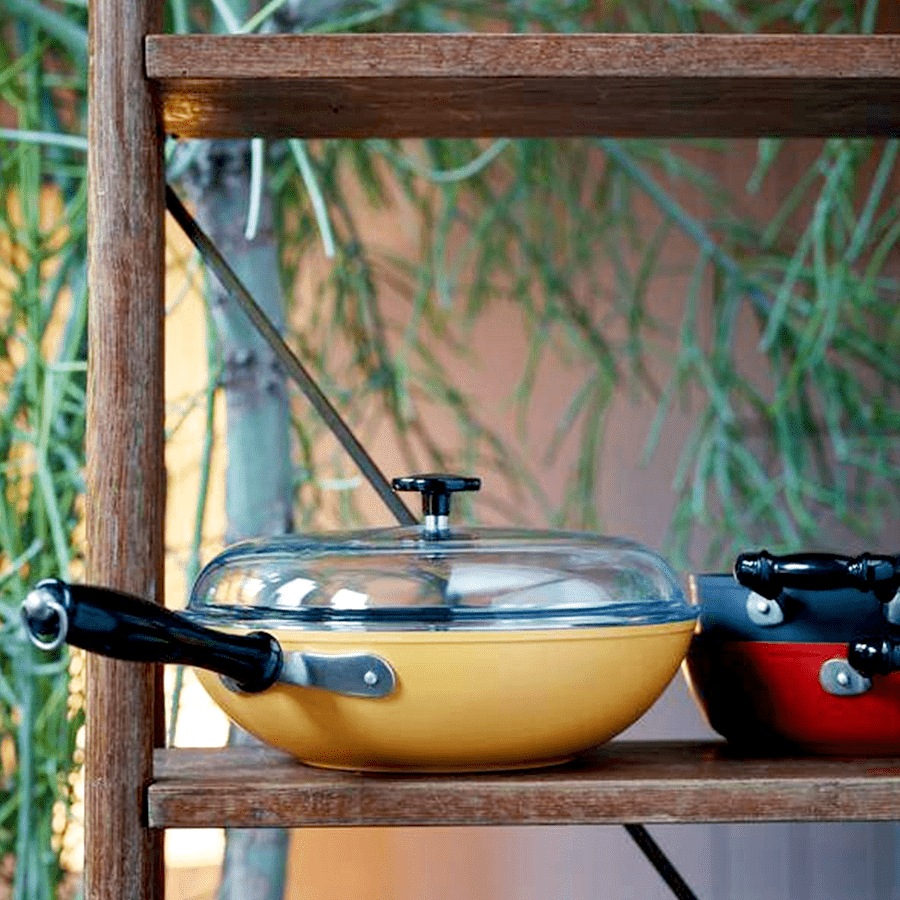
[768, 575]
[125, 627]
[874, 656]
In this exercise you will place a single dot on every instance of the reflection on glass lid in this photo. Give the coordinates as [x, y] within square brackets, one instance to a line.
[478, 579]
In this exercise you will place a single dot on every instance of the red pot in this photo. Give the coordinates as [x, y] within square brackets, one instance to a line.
[766, 695]
[798, 654]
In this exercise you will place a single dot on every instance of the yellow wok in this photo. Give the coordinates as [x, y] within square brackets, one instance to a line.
[478, 700]
[415, 648]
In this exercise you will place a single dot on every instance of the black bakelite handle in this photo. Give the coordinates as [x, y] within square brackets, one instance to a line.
[435, 489]
[874, 656]
[125, 627]
[768, 575]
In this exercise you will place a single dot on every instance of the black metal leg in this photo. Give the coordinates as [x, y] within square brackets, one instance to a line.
[660, 862]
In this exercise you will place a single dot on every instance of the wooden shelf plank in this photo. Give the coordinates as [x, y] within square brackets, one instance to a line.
[650, 782]
[471, 85]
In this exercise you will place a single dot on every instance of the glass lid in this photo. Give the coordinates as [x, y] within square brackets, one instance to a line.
[433, 577]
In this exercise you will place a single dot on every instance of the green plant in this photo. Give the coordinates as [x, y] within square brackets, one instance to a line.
[811, 431]
[43, 308]
[42, 316]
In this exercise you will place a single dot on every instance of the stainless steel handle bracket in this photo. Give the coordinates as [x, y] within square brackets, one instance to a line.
[763, 611]
[838, 677]
[345, 674]
[892, 610]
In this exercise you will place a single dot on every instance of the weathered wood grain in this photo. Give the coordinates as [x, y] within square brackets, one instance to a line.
[470, 85]
[651, 782]
[125, 487]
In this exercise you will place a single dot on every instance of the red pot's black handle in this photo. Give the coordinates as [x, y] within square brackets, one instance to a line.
[874, 656]
[768, 575]
[125, 627]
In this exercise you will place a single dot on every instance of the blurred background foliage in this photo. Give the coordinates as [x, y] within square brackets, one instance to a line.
[529, 222]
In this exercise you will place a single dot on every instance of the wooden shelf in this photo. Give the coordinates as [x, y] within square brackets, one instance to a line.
[649, 782]
[471, 85]
[482, 85]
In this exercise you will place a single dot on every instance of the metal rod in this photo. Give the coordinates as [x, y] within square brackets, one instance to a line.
[660, 862]
[235, 288]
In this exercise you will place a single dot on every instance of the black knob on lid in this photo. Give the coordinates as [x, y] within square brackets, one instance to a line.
[435, 489]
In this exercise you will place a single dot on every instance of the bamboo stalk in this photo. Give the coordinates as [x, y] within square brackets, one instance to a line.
[287, 358]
